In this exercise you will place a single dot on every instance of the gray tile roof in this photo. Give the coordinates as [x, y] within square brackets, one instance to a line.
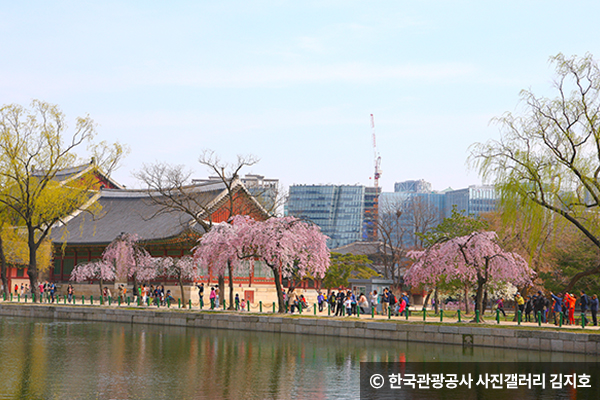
[134, 212]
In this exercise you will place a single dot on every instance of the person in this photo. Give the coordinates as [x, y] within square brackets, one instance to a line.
[584, 301]
[363, 303]
[520, 302]
[406, 301]
[168, 297]
[385, 301]
[538, 306]
[237, 300]
[200, 293]
[570, 300]
[138, 295]
[401, 305]
[348, 305]
[212, 298]
[500, 306]
[243, 305]
[217, 291]
[52, 291]
[557, 308]
[320, 301]
[144, 293]
[594, 309]
[16, 288]
[393, 303]
[528, 308]
[105, 294]
[374, 299]
[292, 300]
[70, 292]
[352, 301]
[332, 301]
[339, 304]
[121, 292]
[303, 302]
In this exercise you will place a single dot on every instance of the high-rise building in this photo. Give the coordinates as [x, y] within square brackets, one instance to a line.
[474, 200]
[371, 213]
[404, 214]
[416, 186]
[339, 210]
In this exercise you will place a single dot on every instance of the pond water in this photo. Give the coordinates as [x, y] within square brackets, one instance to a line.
[72, 360]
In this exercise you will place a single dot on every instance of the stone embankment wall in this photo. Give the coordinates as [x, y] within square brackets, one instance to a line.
[573, 342]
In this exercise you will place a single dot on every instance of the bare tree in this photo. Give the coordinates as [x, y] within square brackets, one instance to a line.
[393, 233]
[169, 187]
[422, 216]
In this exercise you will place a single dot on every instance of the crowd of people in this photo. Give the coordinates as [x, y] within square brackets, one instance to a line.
[48, 288]
[149, 294]
[550, 308]
[345, 302]
[558, 308]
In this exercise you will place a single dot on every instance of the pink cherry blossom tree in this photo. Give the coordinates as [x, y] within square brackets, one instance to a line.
[289, 246]
[184, 268]
[217, 250]
[122, 259]
[475, 259]
[100, 270]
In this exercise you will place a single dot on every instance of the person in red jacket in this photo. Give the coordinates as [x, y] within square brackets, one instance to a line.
[569, 300]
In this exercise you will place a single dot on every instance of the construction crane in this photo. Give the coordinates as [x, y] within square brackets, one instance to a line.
[376, 155]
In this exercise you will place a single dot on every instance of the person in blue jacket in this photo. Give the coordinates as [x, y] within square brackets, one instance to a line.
[594, 309]
[557, 307]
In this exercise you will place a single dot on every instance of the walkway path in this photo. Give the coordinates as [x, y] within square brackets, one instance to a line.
[450, 317]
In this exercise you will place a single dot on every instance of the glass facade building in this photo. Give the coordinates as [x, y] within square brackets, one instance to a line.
[474, 200]
[414, 212]
[338, 210]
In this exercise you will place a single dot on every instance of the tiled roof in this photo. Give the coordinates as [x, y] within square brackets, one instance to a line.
[134, 212]
[360, 248]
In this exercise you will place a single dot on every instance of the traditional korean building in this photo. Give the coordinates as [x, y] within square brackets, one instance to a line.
[161, 231]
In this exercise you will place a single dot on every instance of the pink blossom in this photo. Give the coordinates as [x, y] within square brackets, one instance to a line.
[468, 258]
[123, 258]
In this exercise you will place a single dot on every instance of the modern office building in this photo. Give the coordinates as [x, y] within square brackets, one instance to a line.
[404, 214]
[416, 186]
[474, 200]
[345, 213]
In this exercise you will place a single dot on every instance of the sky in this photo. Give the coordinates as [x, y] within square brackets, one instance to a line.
[292, 82]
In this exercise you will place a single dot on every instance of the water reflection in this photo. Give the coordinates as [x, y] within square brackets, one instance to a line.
[65, 360]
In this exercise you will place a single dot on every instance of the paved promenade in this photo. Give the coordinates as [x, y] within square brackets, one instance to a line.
[416, 316]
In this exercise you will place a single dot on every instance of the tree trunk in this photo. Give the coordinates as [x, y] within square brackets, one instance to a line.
[479, 297]
[100, 282]
[485, 301]
[279, 290]
[437, 301]
[426, 301]
[181, 288]
[3, 268]
[32, 270]
[221, 289]
[466, 291]
[230, 272]
[135, 285]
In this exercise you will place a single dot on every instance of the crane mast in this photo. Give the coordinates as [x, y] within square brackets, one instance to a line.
[376, 156]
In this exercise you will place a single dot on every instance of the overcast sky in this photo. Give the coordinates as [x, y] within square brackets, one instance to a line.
[292, 82]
